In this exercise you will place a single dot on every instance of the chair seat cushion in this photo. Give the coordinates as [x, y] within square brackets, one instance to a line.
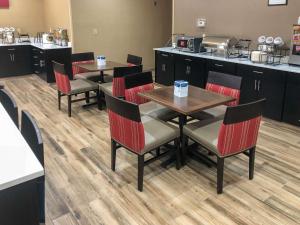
[157, 111]
[157, 133]
[205, 132]
[218, 111]
[106, 87]
[81, 86]
[88, 75]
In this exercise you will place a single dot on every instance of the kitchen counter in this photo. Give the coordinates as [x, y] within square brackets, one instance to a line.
[18, 164]
[37, 45]
[281, 67]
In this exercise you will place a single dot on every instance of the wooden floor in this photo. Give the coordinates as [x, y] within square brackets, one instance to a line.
[81, 188]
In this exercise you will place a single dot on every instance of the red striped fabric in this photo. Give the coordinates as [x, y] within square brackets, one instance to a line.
[127, 132]
[4, 3]
[76, 69]
[131, 95]
[62, 83]
[235, 93]
[234, 138]
[118, 88]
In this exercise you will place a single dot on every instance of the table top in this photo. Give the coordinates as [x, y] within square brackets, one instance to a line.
[198, 99]
[110, 65]
[18, 164]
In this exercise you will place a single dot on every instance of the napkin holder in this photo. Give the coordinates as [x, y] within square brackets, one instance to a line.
[181, 88]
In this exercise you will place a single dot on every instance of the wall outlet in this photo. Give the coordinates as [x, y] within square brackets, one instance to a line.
[201, 22]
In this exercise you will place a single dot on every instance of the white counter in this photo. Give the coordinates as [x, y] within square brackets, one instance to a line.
[38, 45]
[18, 163]
[282, 67]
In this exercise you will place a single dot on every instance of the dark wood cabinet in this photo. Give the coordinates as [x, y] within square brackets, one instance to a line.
[263, 83]
[221, 66]
[164, 68]
[15, 60]
[191, 69]
[291, 112]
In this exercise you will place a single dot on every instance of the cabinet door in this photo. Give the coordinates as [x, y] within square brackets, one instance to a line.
[271, 85]
[249, 90]
[183, 67]
[164, 69]
[22, 60]
[5, 62]
[221, 66]
[198, 76]
[291, 112]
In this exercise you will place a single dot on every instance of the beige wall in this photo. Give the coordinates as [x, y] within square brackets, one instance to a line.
[240, 18]
[124, 26]
[57, 13]
[24, 14]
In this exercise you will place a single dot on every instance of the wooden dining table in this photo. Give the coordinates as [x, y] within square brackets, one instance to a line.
[93, 67]
[198, 99]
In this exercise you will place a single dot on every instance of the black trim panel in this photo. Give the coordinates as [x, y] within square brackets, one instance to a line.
[127, 70]
[85, 56]
[225, 80]
[244, 112]
[125, 109]
[133, 59]
[139, 79]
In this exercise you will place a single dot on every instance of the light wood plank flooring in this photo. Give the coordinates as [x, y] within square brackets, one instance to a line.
[81, 188]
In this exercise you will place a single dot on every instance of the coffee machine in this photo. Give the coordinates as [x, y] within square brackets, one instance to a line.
[295, 50]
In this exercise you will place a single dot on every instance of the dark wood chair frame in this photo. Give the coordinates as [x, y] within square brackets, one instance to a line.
[133, 59]
[131, 112]
[233, 115]
[10, 105]
[61, 69]
[32, 135]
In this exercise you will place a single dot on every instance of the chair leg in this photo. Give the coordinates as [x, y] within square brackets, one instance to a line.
[178, 157]
[113, 154]
[251, 163]
[87, 97]
[140, 172]
[220, 174]
[157, 152]
[98, 94]
[59, 99]
[69, 105]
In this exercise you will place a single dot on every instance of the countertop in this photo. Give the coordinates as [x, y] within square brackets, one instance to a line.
[38, 45]
[18, 164]
[281, 67]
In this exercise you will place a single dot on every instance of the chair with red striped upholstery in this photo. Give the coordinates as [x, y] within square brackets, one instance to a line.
[236, 133]
[68, 88]
[134, 60]
[117, 86]
[10, 105]
[80, 73]
[224, 84]
[139, 135]
[136, 83]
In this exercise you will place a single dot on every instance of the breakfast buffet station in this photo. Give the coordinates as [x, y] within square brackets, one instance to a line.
[267, 72]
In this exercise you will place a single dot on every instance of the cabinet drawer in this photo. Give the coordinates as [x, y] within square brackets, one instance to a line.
[220, 66]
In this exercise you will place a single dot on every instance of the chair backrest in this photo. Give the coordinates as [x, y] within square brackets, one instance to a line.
[32, 135]
[125, 123]
[134, 60]
[225, 84]
[118, 88]
[61, 78]
[10, 105]
[85, 57]
[240, 127]
[136, 83]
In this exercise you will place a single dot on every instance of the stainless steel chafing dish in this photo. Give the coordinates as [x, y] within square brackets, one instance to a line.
[218, 45]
